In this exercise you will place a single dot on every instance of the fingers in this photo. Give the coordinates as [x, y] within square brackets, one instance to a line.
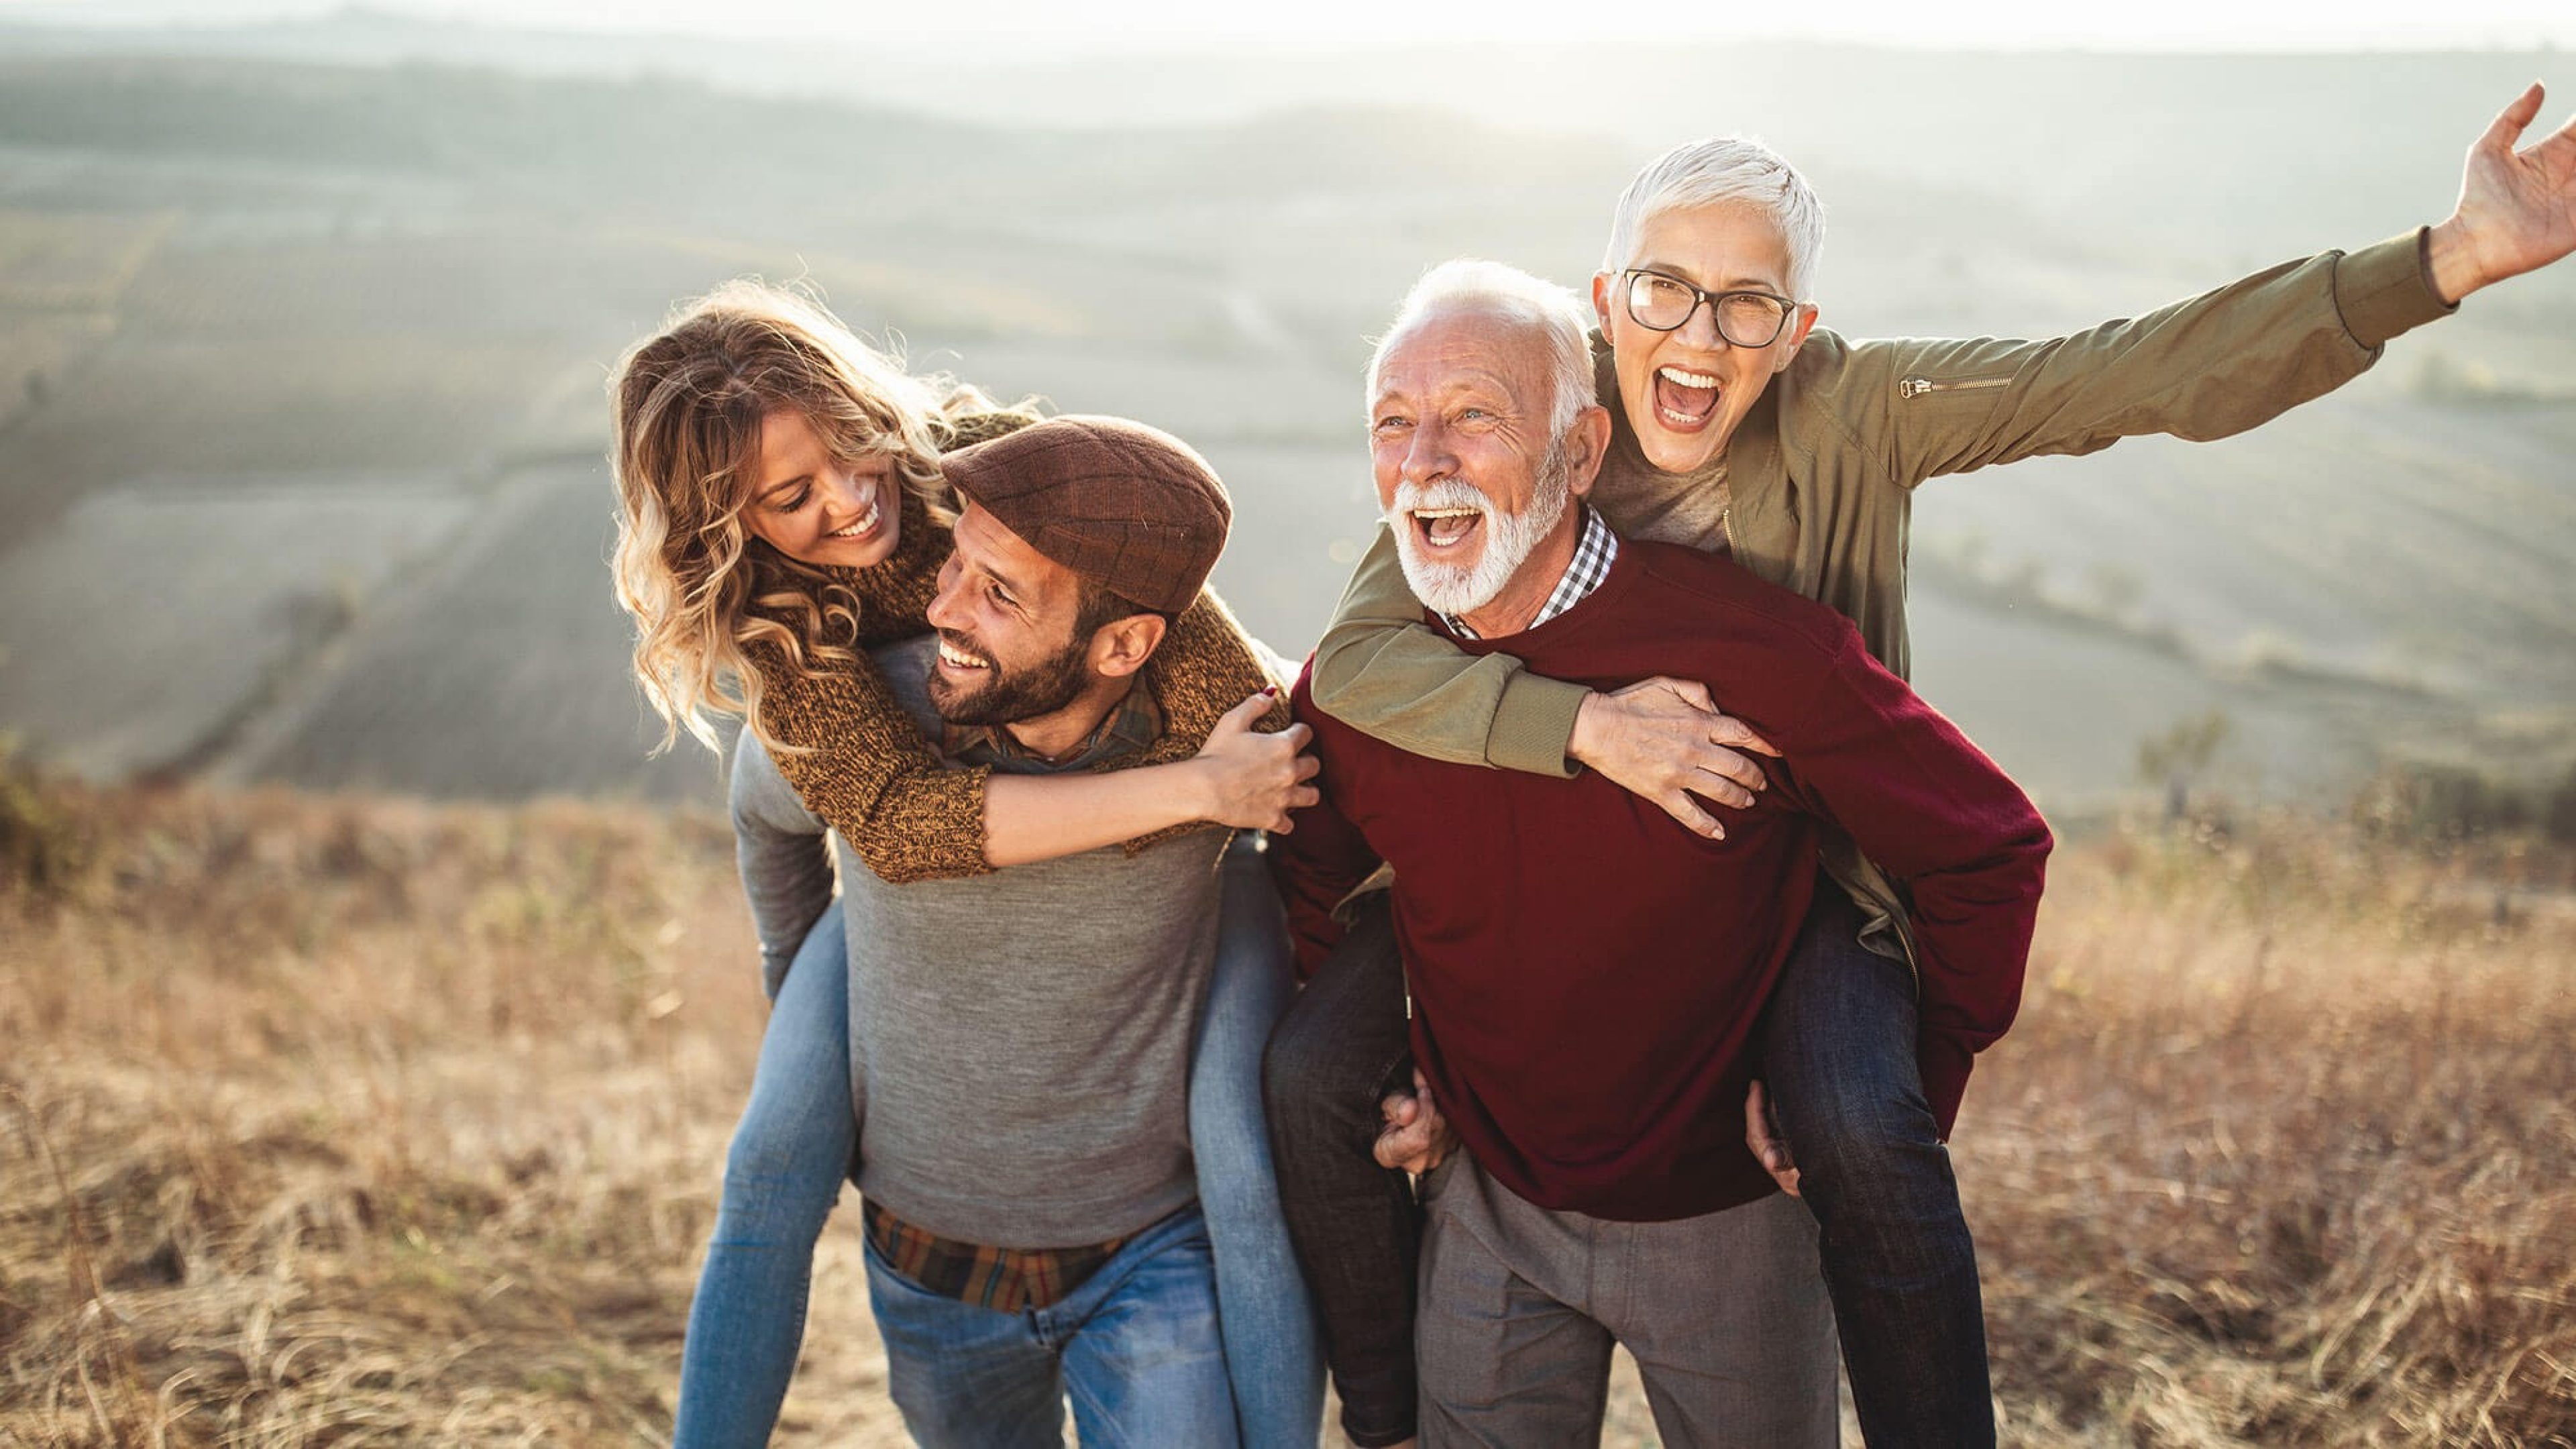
[1679, 805]
[1722, 790]
[1764, 1142]
[1691, 691]
[1308, 767]
[1245, 715]
[2509, 125]
[1736, 734]
[1726, 764]
[1296, 735]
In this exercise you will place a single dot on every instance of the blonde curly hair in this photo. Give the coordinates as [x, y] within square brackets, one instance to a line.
[686, 406]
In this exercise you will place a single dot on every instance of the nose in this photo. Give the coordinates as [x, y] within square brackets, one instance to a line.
[947, 607]
[1699, 329]
[844, 496]
[1427, 454]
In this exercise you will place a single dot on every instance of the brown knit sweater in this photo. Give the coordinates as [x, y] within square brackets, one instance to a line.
[860, 762]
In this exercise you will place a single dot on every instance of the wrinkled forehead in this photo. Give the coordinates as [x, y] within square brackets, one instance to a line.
[1466, 345]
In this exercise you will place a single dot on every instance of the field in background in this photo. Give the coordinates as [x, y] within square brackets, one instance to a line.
[337, 1120]
[302, 342]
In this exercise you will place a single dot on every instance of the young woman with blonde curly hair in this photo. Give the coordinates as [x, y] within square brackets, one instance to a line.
[782, 513]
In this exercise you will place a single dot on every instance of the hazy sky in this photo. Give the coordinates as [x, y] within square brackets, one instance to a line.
[1054, 25]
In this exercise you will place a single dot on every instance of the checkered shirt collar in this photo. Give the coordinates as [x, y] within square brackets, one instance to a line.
[1593, 553]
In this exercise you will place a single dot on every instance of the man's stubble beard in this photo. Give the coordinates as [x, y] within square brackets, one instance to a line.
[1010, 697]
[1458, 590]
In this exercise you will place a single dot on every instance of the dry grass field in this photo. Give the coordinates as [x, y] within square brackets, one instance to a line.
[340, 1120]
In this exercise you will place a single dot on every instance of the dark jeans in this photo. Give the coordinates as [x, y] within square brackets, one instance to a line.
[1838, 1044]
[1356, 1229]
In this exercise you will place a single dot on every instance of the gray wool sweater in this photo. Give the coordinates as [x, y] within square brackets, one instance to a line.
[1019, 1041]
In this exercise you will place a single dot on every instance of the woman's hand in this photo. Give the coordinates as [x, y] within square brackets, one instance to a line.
[1255, 777]
[2517, 210]
[1664, 740]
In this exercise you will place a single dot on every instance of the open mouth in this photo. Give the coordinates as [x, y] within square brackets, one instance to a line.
[1685, 400]
[1442, 529]
[863, 526]
[958, 661]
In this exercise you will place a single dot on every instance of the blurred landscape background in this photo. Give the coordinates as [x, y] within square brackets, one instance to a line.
[373, 1011]
[304, 326]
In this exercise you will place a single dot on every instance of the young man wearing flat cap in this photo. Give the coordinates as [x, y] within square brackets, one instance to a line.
[1018, 1037]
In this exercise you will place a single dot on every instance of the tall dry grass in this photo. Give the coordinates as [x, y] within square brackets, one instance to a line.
[339, 1121]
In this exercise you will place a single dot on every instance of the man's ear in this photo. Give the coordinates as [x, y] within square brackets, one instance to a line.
[1602, 282]
[1587, 442]
[1121, 646]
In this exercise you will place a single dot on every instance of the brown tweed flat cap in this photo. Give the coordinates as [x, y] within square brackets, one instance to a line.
[1129, 507]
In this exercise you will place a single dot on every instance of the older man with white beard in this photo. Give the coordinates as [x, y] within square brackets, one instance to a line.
[1586, 972]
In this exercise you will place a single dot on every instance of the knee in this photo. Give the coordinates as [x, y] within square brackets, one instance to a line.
[1869, 1145]
[781, 1175]
[1305, 1086]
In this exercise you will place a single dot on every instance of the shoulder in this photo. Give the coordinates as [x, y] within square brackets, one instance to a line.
[1696, 586]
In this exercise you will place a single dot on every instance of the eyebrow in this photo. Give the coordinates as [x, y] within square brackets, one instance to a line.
[1732, 284]
[774, 489]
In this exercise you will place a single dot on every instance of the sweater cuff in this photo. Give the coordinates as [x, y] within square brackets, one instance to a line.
[2386, 289]
[1534, 725]
[1945, 1062]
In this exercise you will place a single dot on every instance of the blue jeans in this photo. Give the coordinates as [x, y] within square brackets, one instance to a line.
[1135, 1347]
[793, 1149]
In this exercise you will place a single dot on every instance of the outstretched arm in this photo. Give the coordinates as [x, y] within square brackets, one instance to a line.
[1384, 672]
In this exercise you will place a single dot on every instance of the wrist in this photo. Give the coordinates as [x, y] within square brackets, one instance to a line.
[1586, 735]
[2450, 263]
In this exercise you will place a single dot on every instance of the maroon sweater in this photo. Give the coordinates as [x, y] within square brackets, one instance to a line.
[1586, 973]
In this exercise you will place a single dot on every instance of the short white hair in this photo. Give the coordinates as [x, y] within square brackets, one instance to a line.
[1469, 284]
[1714, 172]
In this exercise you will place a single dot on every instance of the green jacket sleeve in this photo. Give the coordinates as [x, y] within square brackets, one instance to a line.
[2206, 367]
[1384, 672]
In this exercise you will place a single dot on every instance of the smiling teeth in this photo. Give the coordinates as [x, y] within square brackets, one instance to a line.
[865, 524]
[1448, 512]
[952, 657]
[1687, 378]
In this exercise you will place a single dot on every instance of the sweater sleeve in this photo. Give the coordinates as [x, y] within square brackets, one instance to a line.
[2205, 367]
[1384, 672]
[1942, 819]
[1320, 862]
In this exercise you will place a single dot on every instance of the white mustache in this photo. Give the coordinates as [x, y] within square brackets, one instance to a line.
[1439, 493]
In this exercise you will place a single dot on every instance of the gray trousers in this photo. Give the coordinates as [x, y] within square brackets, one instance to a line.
[1724, 1313]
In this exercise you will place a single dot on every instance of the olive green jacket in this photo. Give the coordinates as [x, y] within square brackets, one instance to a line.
[1822, 471]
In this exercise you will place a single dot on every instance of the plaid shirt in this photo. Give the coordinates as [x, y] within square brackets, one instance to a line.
[1010, 1279]
[1004, 1279]
[1592, 555]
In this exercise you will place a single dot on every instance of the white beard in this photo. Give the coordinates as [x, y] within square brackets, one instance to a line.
[1460, 589]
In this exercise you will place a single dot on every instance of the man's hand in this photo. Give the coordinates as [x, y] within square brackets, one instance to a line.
[1416, 1137]
[1664, 740]
[2517, 211]
[1762, 1137]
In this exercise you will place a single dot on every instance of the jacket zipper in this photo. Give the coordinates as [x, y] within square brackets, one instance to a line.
[1917, 385]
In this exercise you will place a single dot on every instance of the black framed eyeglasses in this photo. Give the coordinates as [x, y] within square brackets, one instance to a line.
[1662, 302]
